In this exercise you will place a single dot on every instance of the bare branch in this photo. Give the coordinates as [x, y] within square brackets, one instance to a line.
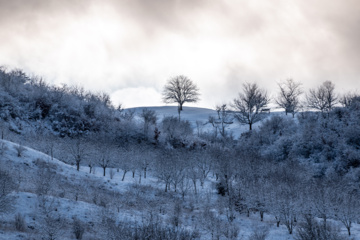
[249, 104]
[180, 89]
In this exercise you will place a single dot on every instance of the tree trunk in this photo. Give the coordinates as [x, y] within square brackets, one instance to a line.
[77, 165]
[194, 181]
[250, 126]
[124, 175]
[348, 228]
[104, 170]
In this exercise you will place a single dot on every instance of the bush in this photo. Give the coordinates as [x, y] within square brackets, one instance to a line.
[20, 149]
[259, 233]
[153, 229]
[221, 189]
[311, 229]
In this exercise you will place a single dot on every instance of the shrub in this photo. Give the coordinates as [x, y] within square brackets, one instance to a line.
[312, 229]
[259, 233]
[20, 149]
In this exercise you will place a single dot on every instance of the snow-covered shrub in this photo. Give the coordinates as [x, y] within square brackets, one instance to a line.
[259, 233]
[20, 149]
[151, 228]
[52, 228]
[176, 133]
[312, 229]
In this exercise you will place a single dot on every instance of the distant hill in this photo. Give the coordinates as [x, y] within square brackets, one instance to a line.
[193, 114]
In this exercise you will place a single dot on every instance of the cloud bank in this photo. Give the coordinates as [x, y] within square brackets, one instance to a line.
[129, 46]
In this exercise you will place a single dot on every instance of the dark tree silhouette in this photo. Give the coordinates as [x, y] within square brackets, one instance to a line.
[249, 104]
[180, 89]
[288, 97]
[322, 98]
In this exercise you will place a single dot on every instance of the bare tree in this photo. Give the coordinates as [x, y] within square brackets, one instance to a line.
[348, 208]
[322, 98]
[4, 128]
[52, 227]
[180, 89]
[166, 167]
[288, 97]
[77, 151]
[104, 157]
[7, 185]
[45, 178]
[348, 99]
[149, 118]
[249, 104]
[199, 127]
[224, 118]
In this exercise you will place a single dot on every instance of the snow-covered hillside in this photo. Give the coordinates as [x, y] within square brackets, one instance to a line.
[51, 197]
[194, 114]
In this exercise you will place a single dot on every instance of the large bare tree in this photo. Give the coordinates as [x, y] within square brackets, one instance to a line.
[322, 98]
[250, 104]
[180, 89]
[288, 97]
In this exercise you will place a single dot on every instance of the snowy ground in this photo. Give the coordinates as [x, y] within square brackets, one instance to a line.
[133, 200]
[193, 114]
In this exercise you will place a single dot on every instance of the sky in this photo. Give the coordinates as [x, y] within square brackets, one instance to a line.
[130, 48]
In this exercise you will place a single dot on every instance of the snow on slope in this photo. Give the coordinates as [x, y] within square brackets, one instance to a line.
[193, 114]
[26, 170]
[135, 200]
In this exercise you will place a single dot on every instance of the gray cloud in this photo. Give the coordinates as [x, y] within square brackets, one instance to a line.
[112, 45]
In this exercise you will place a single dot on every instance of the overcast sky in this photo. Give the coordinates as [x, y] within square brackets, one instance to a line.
[129, 48]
